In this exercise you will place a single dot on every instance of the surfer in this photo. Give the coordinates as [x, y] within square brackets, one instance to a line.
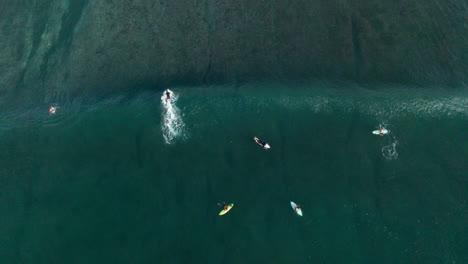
[224, 206]
[381, 131]
[52, 110]
[262, 143]
[168, 95]
[297, 209]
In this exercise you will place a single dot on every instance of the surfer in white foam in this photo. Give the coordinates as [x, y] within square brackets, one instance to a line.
[168, 94]
[262, 143]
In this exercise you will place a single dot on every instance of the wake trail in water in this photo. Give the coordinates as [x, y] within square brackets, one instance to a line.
[389, 151]
[172, 126]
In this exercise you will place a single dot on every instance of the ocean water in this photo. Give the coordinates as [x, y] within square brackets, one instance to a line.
[130, 179]
[51, 48]
[117, 175]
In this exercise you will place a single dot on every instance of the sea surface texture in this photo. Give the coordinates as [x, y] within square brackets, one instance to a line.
[130, 179]
[54, 47]
[120, 175]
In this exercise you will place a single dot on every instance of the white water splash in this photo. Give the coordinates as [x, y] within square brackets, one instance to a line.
[390, 151]
[383, 125]
[172, 126]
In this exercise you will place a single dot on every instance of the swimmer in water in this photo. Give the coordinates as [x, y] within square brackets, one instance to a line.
[52, 110]
[262, 143]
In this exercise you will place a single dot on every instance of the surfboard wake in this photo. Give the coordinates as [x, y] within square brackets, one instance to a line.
[172, 126]
[389, 151]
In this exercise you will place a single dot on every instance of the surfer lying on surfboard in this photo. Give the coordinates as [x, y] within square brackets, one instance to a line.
[226, 207]
[297, 208]
[223, 205]
[382, 131]
[262, 143]
[168, 94]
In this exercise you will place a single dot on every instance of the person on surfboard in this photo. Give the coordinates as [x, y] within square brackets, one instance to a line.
[381, 131]
[224, 206]
[261, 143]
[168, 95]
[297, 208]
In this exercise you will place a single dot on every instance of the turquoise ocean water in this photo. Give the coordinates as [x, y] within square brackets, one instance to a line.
[126, 179]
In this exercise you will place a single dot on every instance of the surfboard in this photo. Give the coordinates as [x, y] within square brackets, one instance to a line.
[266, 146]
[294, 205]
[223, 212]
[377, 132]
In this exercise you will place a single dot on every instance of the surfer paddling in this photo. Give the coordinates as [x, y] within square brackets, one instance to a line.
[261, 143]
[226, 208]
[382, 131]
[168, 94]
[297, 208]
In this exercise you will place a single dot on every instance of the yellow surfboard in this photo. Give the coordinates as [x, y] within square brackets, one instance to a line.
[224, 211]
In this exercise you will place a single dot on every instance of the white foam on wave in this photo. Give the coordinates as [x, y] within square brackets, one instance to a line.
[172, 126]
[420, 107]
[381, 104]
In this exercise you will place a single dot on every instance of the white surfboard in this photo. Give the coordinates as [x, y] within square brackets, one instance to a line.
[377, 132]
[257, 140]
[298, 211]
